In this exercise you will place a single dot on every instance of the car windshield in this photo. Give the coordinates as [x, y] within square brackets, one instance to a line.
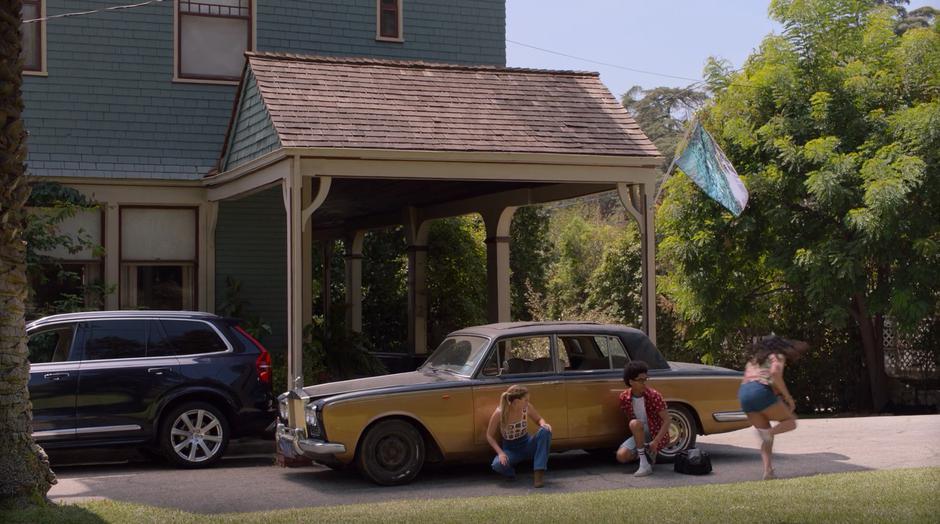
[457, 354]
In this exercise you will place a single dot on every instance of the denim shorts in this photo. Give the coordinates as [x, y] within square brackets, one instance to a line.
[755, 396]
[630, 443]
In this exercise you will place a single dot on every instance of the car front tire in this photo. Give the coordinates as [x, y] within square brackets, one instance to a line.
[194, 435]
[392, 452]
[682, 432]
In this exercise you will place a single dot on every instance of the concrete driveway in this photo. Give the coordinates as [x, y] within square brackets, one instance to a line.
[247, 480]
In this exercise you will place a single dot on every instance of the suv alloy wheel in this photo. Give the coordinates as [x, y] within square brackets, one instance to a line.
[194, 435]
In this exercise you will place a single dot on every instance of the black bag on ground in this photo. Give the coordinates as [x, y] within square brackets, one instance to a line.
[693, 462]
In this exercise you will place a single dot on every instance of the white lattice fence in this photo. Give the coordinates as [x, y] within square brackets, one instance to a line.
[904, 360]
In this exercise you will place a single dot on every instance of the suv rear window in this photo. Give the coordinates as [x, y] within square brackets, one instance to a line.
[51, 345]
[192, 337]
[112, 339]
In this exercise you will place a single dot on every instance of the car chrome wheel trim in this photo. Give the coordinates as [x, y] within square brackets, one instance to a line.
[196, 435]
[680, 432]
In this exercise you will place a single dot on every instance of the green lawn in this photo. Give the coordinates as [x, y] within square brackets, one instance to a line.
[911, 495]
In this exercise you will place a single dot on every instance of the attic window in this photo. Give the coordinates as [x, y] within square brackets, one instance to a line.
[388, 20]
[212, 37]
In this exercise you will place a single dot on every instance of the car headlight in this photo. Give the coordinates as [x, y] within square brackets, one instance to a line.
[310, 414]
[282, 407]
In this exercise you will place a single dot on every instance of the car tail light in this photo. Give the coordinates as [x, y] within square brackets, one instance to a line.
[263, 362]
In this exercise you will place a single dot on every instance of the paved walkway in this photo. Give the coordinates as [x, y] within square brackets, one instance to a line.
[248, 482]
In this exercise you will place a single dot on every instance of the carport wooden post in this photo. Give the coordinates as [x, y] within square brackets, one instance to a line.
[353, 243]
[638, 199]
[498, 304]
[299, 261]
[416, 235]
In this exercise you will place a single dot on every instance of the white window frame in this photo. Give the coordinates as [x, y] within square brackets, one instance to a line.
[42, 45]
[378, 23]
[129, 299]
[252, 28]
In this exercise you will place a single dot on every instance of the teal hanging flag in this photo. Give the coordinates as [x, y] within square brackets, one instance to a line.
[704, 162]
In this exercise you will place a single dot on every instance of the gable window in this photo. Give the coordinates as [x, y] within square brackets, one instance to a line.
[211, 38]
[388, 20]
[33, 36]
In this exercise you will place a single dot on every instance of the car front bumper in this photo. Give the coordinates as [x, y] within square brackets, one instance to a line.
[292, 444]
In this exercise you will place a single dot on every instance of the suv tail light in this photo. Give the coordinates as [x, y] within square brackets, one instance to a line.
[263, 362]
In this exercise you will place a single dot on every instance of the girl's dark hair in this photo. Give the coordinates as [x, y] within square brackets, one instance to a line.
[633, 369]
[773, 345]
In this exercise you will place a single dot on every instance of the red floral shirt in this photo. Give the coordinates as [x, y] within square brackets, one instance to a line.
[654, 404]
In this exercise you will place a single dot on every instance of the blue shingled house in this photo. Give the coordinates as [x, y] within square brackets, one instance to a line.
[347, 116]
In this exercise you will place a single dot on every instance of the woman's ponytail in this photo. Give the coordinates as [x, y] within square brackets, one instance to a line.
[503, 409]
[513, 393]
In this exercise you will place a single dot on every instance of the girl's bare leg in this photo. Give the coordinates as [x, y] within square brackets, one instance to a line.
[787, 422]
[761, 422]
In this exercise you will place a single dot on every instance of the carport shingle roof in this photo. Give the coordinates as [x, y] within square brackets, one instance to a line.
[317, 101]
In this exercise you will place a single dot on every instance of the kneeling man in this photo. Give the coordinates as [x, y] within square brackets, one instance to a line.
[649, 419]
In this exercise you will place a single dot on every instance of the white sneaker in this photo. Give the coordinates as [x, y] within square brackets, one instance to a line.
[644, 470]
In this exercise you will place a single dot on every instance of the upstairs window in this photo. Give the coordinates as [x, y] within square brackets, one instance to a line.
[33, 36]
[212, 37]
[388, 20]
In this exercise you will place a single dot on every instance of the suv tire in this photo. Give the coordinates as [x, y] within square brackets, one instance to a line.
[194, 435]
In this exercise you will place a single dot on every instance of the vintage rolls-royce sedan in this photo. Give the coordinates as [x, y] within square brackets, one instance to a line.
[390, 425]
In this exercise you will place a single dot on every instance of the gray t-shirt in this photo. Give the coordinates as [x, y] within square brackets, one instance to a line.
[639, 409]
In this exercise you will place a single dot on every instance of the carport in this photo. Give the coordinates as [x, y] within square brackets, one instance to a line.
[362, 144]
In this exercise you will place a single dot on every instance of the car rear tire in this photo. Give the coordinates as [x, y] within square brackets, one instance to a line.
[391, 453]
[194, 435]
[682, 433]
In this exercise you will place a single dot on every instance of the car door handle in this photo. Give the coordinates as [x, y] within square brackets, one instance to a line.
[56, 376]
[158, 371]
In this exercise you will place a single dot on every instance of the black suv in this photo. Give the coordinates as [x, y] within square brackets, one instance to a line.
[181, 382]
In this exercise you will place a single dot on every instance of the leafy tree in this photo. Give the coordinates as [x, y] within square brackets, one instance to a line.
[579, 237]
[53, 204]
[835, 127]
[456, 275]
[384, 290]
[661, 112]
[920, 17]
[25, 476]
[529, 257]
[616, 284]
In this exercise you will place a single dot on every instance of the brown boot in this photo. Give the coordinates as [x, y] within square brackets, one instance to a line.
[538, 480]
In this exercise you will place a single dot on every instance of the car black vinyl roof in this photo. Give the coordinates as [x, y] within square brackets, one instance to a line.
[638, 344]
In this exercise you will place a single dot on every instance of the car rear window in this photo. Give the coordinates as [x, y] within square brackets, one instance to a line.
[114, 339]
[190, 337]
[51, 345]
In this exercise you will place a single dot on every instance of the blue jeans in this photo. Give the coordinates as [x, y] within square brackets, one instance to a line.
[524, 448]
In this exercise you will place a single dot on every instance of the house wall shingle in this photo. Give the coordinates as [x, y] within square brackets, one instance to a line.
[251, 247]
[253, 133]
[109, 108]
[456, 31]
